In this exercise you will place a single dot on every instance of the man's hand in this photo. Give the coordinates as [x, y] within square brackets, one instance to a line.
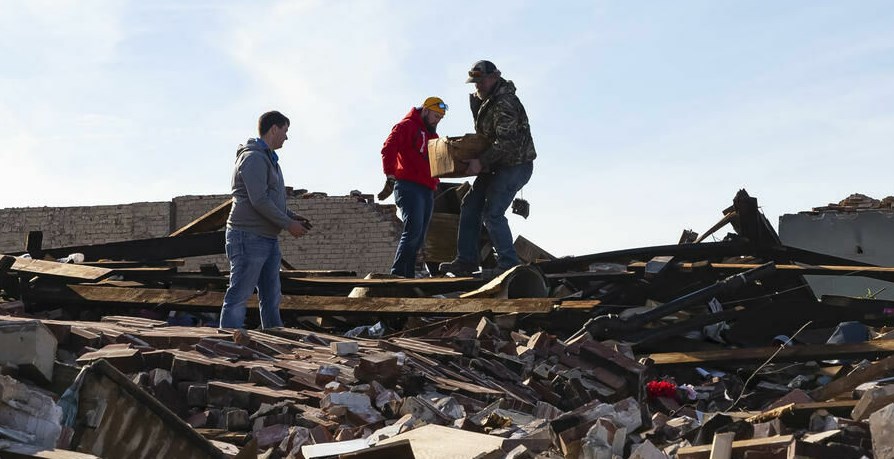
[297, 229]
[387, 189]
[474, 167]
[303, 220]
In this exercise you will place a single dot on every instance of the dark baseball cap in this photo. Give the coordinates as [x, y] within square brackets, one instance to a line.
[480, 70]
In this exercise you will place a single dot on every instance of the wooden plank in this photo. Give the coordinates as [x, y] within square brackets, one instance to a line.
[295, 273]
[54, 269]
[722, 446]
[212, 301]
[266, 393]
[803, 410]
[212, 220]
[458, 282]
[434, 441]
[21, 450]
[306, 282]
[847, 383]
[112, 264]
[871, 349]
[578, 304]
[161, 248]
[463, 386]
[739, 447]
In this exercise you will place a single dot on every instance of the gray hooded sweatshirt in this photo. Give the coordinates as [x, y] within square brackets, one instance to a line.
[259, 193]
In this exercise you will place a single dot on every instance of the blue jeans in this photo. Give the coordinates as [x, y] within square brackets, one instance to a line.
[487, 202]
[254, 262]
[416, 203]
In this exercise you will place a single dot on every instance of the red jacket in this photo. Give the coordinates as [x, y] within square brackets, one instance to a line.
[405, 153]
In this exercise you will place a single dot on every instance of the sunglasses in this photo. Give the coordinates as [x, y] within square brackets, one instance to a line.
[440, 105]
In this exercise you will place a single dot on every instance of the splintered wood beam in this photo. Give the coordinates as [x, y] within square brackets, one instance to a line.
[871, 349]
[728, 217]
[798, 413]
[212, 220]
[212, 301]
[54, 269]
[849, 382]
[161, 248]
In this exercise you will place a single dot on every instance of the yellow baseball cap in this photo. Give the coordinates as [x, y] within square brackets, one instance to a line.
[435, 104]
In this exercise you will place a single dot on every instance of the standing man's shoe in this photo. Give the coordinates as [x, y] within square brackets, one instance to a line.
[458, 268]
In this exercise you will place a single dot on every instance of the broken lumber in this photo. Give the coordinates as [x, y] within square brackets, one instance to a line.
[212, 220]
[847, 383]
[160, 248]
[758, 355]
[211, 301]
[55, 269]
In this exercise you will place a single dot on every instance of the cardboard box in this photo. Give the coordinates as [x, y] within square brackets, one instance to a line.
[446, 154]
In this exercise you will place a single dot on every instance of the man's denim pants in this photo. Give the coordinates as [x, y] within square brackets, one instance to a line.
[487, 202]
[416, 203]
[254, 262]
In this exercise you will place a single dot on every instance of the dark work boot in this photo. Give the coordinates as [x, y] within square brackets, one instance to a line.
[458, 268]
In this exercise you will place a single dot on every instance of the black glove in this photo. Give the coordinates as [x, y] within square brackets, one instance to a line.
[387, 189]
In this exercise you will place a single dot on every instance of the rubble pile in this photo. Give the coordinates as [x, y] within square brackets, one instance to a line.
[690, 350]
[857, 202]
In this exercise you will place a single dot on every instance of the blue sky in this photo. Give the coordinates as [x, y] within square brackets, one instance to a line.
[647, 116]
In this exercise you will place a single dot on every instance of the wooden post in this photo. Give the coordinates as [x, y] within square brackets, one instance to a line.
[722, 446]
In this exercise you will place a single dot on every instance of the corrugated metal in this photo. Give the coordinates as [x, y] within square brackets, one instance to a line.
[116, 419]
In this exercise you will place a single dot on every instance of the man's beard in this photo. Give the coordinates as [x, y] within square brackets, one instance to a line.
[431, 128]
[481, 94]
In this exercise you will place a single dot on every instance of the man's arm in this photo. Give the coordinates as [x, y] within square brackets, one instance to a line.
[396, 139]
[254, 175]
[392, 146]
[508, 130]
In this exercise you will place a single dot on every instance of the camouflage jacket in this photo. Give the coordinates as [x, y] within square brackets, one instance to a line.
[501, 118]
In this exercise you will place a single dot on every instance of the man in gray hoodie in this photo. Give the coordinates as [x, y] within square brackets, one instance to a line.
[256, 218]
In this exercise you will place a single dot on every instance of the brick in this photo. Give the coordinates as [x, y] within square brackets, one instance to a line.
[881, 425]
[31, 346]
[345, 347]
[871, 401]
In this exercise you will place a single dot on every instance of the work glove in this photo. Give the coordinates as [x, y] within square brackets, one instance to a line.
[387, 189]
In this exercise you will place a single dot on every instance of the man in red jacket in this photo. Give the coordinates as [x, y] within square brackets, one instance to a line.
[405, 162]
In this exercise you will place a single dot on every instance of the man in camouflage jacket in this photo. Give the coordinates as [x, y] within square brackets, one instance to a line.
[502, 170]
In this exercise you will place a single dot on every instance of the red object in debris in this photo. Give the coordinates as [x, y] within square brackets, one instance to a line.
[656, 389]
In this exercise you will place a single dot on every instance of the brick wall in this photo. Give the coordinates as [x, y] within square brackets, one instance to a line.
[64, 226]
[347, 233]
